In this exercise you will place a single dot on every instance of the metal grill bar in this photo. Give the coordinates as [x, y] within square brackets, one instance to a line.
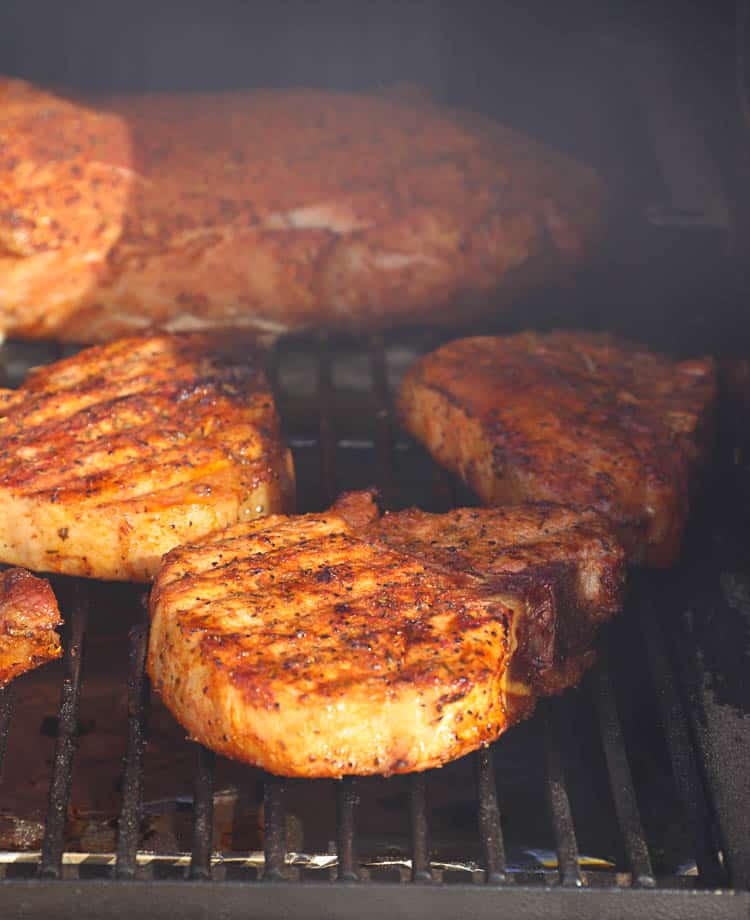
[346, 798]
[274, 819]
[723, 760]
[62, 771]
[420, 866]
[684, 768]
[384, 436]
[5, 379]
[559, 804]
[420, 856]
[6, 711]
[621, 782]
[327, 432]
[346, 801]
[128, 825]
[203, 815]
[273, 359]
[490, 830]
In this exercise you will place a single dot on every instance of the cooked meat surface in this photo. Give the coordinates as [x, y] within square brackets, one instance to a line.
[341, 643]
[570, 560]
[113, 456]
[28, 617]
[273, 209]
[571, 417]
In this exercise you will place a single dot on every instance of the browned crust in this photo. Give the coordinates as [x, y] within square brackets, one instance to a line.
[584, 419]
[113, 456]
[28, 619]
[566, 564]
[273, 209]
[324, 645]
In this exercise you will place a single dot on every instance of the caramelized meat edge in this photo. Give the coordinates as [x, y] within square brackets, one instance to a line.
[579, 418]
[28, 619]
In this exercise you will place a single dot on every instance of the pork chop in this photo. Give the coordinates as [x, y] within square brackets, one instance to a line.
[28, 617]
[342, 643]
[113, 456]
[571, 417]
[275, 210]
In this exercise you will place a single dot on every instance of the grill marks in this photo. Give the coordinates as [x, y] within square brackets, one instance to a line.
[577, 418]
[308, 605]
[343, 643]
[156, 428]
[112, 428]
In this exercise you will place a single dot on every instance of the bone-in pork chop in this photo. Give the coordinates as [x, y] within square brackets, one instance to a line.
[341, 643]
[570, 417]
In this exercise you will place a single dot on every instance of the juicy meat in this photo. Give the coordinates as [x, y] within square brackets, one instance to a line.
[275, 210]
[568, 561]
[571, 417]
[28, 617]
[342, 643]
[113, 456]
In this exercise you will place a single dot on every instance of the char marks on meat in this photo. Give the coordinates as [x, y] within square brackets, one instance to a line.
[346, 643]
[113, 456]
[573, 417]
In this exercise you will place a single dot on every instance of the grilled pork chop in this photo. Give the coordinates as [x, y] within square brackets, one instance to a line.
[28, 617]
[341, 643]
[568, 560]
[111, 457]
[572, 417]
[273, 209]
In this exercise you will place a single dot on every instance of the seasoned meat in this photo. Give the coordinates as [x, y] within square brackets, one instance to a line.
[113, 456]
[339, 643]
[570, 560]
[570, 417]
[28, 617]
[272, 209]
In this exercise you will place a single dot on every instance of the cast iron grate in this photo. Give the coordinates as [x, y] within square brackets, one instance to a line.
[713, 888]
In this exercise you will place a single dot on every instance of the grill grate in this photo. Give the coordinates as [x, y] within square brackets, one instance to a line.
[128, 825]
[533, 893]
[621, 781]
[346, 803]
[50, 865]
[490, 829]
[562, 819]
[689, 786]
[6, 711]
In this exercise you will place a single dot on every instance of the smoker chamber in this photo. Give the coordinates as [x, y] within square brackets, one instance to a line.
[642, 769]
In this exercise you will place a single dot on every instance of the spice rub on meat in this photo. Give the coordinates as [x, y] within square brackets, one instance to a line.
[573, 417]
[28, 617]
[276, 210]
[346, 643]
[567, 563]
[111, 457]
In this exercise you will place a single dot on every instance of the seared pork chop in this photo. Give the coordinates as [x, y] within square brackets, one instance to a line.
[570, 417]
[28, 617]
[111, 457]
[340, 643]
[569, 560]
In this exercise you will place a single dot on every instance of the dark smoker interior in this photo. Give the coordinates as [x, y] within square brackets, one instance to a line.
[630, 88]
[650, 93]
